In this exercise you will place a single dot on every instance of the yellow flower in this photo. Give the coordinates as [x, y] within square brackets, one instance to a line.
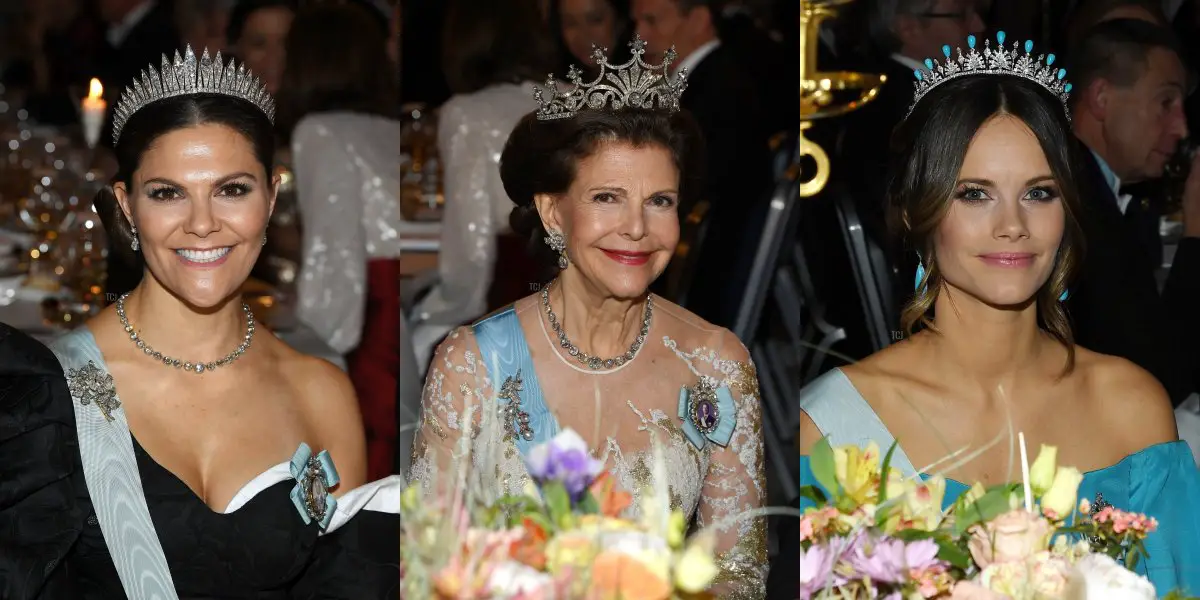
[1041, 474]
[572, 550]
[857, 471]
[696, 568]
[677, 529]
[1059, 500]
[410, 499]
[922, 506]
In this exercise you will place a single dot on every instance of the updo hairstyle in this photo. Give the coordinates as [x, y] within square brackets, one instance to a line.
[541, 157]
[927, 154]
[160, 118]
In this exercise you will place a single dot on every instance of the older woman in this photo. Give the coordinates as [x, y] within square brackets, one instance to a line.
[592, 351]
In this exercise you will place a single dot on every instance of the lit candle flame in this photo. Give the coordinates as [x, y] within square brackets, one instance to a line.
[95, 90]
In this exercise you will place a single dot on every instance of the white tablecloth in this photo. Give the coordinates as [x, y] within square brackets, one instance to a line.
[21, 308]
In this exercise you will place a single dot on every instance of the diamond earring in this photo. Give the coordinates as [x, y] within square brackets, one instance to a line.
[558, 243]
[264, 242]
[134, 244]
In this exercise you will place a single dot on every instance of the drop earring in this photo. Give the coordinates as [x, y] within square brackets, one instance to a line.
[134, 244]
[264, 242]
[1063, 296]
[920, 273]
[558, 243]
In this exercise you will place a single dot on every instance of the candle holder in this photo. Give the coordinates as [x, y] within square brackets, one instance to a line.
[825, 94]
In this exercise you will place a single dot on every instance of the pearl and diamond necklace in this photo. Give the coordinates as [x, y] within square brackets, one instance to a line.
[191, 367]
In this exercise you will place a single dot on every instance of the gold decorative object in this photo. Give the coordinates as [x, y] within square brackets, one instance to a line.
[823, 94]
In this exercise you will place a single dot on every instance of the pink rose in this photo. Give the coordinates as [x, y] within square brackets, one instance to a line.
[1012, 536]
[969, 590]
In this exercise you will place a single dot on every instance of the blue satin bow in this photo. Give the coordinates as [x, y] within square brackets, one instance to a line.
[691, 400]
[314, 478]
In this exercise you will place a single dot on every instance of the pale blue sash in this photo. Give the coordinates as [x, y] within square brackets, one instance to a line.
[111, 471]
[502, 346]
[845, 417]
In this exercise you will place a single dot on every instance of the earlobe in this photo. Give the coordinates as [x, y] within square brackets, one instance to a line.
[122, 195]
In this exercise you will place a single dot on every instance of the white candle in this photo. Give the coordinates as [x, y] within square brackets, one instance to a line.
[94, 110]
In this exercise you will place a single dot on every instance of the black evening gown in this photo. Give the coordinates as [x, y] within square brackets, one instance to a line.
[51, 545]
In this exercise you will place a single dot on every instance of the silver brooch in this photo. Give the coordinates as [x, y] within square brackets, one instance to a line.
[516, 421]
[703, 410]
[91, 385]
[1097, 506]
[315, 476]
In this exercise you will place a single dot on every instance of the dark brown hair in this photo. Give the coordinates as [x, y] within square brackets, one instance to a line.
[1118, 51]
[244, 8]
[336, 60]
[486, 42]
[541, 157]
[927, 156]
[160, 118]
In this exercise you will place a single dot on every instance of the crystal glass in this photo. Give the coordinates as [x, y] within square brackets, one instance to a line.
[421, 196]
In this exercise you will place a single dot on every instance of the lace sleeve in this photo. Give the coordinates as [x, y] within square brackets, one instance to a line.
[450, 411]
[332, 284]
[735, 484]
[468, 245]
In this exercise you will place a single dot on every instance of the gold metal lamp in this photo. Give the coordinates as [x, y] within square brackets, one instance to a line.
[825, 94]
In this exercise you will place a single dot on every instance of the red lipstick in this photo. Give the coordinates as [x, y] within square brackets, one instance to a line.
[1008, 259]
[633, 259]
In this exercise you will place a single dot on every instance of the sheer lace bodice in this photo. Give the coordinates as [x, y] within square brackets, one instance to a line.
[620, 412]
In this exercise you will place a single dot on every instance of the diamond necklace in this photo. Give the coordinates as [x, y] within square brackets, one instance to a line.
[592, 362]
[191, 367]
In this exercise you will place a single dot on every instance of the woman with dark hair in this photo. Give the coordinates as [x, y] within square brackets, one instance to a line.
[985, 194]
[337, 108]
[492, 53]
[597, 178]
[215, 460]
[257, 34]
[580, 25]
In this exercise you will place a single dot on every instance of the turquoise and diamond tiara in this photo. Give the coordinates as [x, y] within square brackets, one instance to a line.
[187, 75]
[634, 84]
[998, 61]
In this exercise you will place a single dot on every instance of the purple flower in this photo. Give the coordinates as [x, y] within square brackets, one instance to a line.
[816, 568]
[564, 459]
[888, 560]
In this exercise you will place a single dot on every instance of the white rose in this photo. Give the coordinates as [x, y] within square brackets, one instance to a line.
[511, 578]
[1105, 579]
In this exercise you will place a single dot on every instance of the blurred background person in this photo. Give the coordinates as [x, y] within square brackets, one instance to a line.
[578, 25]
[58, 44]
[257, 34]
[337, 106]
[202, 23]
[492, 54]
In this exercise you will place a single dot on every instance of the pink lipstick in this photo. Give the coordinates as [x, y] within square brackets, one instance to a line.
[1008, 259]
[633, 259]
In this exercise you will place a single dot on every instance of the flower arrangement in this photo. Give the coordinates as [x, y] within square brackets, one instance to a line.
[873, 533]
[564, 538]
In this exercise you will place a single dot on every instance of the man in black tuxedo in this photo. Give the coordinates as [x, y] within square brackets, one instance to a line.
[40, 470]
[724, 101]
[903, 34]
[1127, 111]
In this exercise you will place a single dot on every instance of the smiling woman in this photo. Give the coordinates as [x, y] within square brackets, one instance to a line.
[187, 418]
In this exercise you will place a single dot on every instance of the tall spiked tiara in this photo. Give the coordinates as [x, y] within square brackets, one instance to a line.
[998, 61]
[633, 84]
[186, 76]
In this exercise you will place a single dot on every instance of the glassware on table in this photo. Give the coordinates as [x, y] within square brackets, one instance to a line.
[421, 197]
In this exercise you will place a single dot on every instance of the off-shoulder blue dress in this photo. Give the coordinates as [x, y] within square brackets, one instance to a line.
[1161, 481]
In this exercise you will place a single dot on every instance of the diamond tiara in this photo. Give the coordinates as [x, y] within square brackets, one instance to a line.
[998, 61]
[186, 76]
[634, 84]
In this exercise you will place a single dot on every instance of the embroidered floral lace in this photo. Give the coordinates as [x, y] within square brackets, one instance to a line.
[619, 412]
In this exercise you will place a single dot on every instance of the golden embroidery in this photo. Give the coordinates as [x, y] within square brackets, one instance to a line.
[745, 379]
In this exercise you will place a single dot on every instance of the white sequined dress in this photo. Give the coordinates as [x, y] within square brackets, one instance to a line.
[348, 193]
[472, 131]
[619, 412]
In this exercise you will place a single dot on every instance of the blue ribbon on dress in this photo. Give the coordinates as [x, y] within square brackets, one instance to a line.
[314, 479]
[697, 406]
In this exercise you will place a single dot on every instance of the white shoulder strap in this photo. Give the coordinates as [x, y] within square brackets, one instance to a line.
[110, 468]
[840, 412]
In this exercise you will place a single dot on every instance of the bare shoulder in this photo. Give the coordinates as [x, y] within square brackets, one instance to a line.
[330, 407]
[691, 333]
[1134, 406]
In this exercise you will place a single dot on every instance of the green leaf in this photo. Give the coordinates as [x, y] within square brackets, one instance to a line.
[814, 494]
[883, 479]
[991, 505]
[824, 469]
[541, 521]
[588, 504]
[558, 503]
[913, 535]
[952, 554]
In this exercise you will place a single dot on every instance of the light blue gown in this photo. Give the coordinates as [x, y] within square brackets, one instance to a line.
[1161, 481]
